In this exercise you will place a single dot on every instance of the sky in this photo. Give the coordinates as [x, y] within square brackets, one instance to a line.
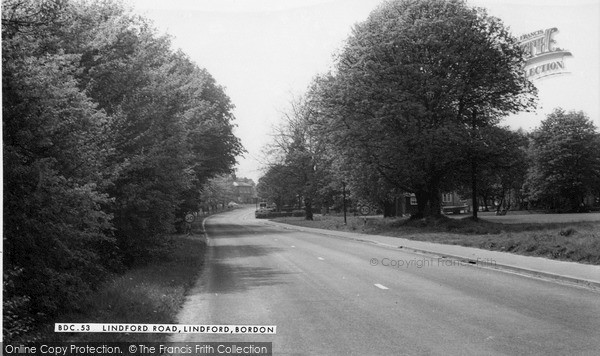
[266, 52]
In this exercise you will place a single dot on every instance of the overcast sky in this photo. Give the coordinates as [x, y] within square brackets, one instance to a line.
[266, 51]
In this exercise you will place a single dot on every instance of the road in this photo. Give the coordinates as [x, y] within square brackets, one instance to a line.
[333, 296]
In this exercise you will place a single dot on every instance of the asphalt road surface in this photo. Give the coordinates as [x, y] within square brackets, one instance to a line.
[333, 296]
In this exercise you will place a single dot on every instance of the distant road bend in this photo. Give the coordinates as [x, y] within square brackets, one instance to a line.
[333, 296]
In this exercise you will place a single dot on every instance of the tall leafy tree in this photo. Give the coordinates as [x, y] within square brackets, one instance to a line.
[170, 123]
[300, 155]
[218, 190]
[414, 83]
[276, 185]
[502, 173]
[106, 131]
[56, 232]
[564, 161]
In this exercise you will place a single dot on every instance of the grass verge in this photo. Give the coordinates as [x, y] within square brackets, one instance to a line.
[152, 294]
[574, 241]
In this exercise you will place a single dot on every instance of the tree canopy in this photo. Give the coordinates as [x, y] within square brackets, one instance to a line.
[412, 106]
[564, 161]
[413, 87]
[106, 134]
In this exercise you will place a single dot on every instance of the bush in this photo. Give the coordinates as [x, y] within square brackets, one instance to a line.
[298, 213]
[17, 321]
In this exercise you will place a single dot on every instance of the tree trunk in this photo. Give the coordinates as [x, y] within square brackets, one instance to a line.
[402, 200]
[422, 202]
[474, 187]
[485, 198]
[435, 201]
[308, 209]
[389, 209]
[500, 206]
[474, 165]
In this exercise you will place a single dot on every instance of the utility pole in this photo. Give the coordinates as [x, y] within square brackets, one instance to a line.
[344, 200]
[474, 164]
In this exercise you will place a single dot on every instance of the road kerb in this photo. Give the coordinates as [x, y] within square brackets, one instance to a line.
[511, 268]
[595, 285]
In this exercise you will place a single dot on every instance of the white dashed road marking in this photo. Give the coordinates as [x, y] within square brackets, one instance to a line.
[381, 286]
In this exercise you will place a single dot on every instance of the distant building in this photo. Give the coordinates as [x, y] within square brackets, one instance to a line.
[244, 192]
[451, 203]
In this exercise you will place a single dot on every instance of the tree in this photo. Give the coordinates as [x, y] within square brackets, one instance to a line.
[217, 190]
[276, 186]
[414, 83]
[170, 126]
[299, 157]
[57, 241]
[502, 173]
[564, 161]
[106, 132]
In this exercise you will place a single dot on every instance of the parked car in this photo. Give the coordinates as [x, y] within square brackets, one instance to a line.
[233, 205]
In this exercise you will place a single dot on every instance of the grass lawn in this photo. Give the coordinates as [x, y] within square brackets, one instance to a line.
[151, 294]
[577, 241]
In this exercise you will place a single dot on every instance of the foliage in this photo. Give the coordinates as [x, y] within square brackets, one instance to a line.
[564, 161]
[501, 167]
[274, 186]
[152, 294]
[301, 164]
[218, 190]
[106, 130]
[171, 127]
[414, 83]
[56, 234]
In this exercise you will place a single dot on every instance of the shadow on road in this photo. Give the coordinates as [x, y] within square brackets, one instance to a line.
[234, 268]
[226, 253]
[216, 231]
[226, 278]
